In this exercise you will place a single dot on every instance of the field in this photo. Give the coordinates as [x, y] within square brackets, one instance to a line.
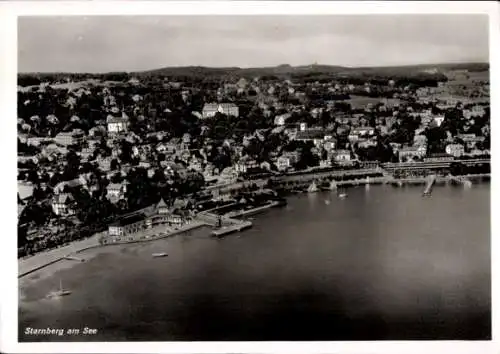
[358, 102]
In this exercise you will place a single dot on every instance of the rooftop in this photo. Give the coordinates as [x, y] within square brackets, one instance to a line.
[128, 220]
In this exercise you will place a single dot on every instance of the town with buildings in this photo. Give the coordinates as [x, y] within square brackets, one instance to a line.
[122, 154]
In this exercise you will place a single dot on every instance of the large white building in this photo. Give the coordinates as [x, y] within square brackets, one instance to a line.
[211, 109]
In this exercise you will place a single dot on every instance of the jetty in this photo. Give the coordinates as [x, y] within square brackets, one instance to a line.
[225, 230]
[224, 225]
[429, 184]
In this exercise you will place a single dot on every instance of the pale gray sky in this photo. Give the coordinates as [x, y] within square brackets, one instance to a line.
[128, 43]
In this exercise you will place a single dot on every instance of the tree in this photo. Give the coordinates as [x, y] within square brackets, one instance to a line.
[114, 165]
[122, 206]
[33, 176]
[307, 158]
[39, 194]
[126, 151]
[117, 178]
[72, 165]
[435, 139]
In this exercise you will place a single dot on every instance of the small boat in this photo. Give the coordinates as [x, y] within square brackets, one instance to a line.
[342, 195]
[157, 255]
[327, 202]
[61, 292]
[312, 188]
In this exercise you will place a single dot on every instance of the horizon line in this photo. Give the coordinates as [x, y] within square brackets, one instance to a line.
[256, 67]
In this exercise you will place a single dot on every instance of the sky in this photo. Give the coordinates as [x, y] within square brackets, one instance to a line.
[133, 43]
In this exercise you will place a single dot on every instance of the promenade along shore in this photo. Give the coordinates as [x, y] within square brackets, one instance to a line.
[208, 218]
[74, 252]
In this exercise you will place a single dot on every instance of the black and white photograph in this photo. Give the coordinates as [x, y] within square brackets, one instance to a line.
[243, 178]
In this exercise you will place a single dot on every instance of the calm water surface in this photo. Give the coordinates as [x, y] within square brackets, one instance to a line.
[384, 263]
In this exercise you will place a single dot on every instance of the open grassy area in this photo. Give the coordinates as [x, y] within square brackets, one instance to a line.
[358, 102]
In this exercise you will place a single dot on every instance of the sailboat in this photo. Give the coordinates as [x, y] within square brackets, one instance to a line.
[61, 291]
[313, 188]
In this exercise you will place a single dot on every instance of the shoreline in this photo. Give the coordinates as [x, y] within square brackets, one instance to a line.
[57, 255]
[58, 258]
[100, 246]
[417, 180]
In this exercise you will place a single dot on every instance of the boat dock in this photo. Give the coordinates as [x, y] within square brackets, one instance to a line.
[226, 230]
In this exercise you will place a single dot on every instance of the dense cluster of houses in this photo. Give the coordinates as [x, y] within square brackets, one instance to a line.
[175, 157]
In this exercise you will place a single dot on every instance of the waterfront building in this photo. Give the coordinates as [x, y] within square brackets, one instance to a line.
[131, 228]
[163, 215]
[123, 228]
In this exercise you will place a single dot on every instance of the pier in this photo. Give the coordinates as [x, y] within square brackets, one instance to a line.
[225, 230]
[227, 224]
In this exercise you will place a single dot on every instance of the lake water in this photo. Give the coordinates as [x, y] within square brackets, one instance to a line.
[384, 263]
